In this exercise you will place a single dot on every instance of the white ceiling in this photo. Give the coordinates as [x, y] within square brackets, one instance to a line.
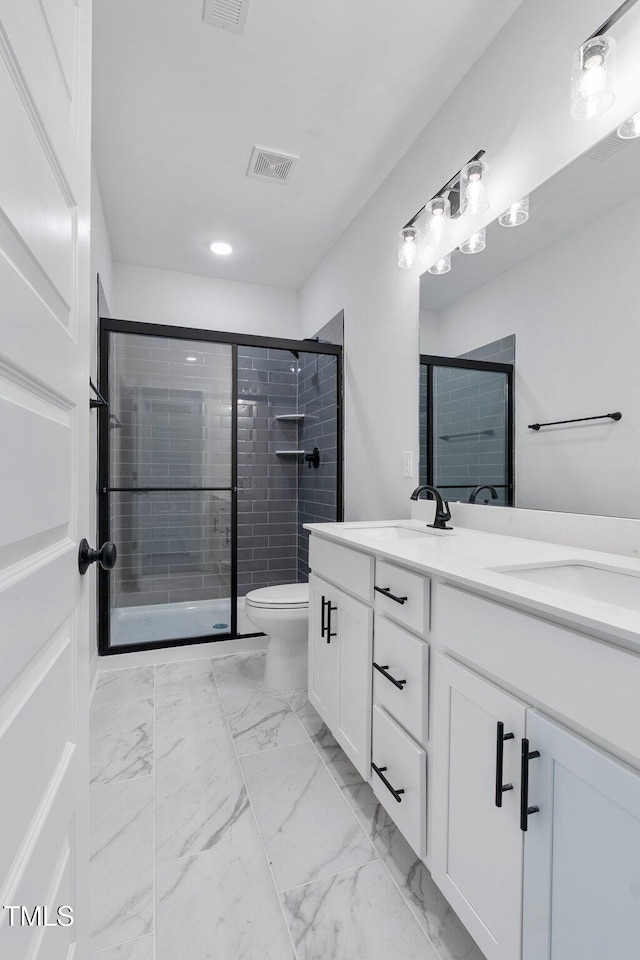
[178, 105]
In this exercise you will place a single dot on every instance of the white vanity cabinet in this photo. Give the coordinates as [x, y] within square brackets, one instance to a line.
[581, 850]
[476, 841]
[340, 651]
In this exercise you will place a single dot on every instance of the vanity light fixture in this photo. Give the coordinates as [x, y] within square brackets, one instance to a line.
[594, 70]
[443, 265]
[221, 248]
[630, 129]
[516, 214]
[475, 243]
[474, 193]
[408, 247]
[437, 228]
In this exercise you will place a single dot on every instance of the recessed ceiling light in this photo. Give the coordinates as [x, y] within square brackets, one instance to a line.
[221, 247]
[192, 359]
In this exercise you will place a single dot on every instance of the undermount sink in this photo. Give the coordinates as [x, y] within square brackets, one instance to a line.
[395, 533]
[604, 584]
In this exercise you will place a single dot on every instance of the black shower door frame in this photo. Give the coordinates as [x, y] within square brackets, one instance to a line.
[430, 361]
[109, 325]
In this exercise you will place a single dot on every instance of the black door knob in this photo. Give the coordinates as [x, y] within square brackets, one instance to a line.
[106, 556]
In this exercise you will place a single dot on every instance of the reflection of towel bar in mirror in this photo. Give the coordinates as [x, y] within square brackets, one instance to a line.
[556, 423]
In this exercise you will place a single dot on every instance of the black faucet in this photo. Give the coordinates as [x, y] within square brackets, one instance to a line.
[483, 486]
[442, 507]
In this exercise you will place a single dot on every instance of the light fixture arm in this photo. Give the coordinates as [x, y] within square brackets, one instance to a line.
[615, 16]
[450, 183]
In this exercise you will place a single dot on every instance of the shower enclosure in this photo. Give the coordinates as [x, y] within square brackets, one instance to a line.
[206, 472]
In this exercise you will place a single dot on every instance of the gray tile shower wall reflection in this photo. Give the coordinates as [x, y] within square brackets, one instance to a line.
[172, 401]
[267, 483]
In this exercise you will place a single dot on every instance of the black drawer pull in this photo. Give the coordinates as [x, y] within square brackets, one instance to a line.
[383, 670]
[525, 809]
[386, 592]
[396, 793]
[330, 609]
[501, 787]
[323, 625]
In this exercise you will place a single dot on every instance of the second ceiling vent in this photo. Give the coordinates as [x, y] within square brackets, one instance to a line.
[269, 165]
[228, 14]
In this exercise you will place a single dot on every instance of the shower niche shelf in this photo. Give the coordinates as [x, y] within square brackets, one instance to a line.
[291, 417]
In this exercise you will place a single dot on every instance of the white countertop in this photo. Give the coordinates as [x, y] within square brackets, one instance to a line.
[465, 558]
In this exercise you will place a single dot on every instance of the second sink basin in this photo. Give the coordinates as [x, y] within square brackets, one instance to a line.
[604, 584]
[395, 533]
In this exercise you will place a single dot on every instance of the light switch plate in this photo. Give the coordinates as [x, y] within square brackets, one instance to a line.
[407, 464]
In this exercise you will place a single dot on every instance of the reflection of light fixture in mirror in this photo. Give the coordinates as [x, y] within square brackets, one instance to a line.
[516, 214]
[592, 78]
[475, 243]
[630, 129]
[408, 247]
[443, 265]
[437, 228]
[474, 194]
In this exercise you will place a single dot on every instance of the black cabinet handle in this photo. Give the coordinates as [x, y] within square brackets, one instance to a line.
[525, 809]
[386, 592]
[323, 624]
[501, 787]
[383, 670]
[329, 611]
[381, 771]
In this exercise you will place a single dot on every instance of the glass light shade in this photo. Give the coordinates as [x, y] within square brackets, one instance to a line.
[437, 228]
[630, 129]
[474, 192]
[475, 243]
[593, 78]
[408, 247]
[517, 213]
[443, 265]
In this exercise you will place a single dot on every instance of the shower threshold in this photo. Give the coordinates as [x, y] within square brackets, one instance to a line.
[155, 622]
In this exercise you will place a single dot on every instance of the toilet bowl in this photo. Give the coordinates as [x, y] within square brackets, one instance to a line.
[282, 613]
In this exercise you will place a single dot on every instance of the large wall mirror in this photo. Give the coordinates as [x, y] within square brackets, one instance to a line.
[541, 326]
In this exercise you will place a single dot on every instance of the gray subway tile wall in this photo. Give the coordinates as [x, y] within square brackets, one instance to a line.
[470, 424]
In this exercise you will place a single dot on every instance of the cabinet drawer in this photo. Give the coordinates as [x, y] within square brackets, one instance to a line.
[404, 765]
[411, 591]
[349, 569]
[404, 658]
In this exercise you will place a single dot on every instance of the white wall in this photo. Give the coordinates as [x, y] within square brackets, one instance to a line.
[574, 310]
[181, 299]
[520, 115]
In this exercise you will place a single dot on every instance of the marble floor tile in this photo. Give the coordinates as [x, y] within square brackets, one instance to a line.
[429, 907]
[141, 949]
[188, 706]
[259, 719]
[355, 914]
[308, 829]
[201, 799]
[357, 792]
[121, 738]
[182, 670]
[121, 867]
[220, 905]
[114, 686]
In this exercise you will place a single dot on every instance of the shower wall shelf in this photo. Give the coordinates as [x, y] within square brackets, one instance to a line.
[292, 417]
[289, 453]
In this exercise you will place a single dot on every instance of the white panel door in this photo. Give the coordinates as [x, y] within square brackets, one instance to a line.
[582, 850]
[355, 637]
[45, 89]
[476, 845]
[323, 650]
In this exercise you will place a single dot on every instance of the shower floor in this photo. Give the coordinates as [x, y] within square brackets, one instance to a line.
[175, 621]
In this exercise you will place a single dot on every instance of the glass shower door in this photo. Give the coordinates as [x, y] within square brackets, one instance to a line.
[170, 489]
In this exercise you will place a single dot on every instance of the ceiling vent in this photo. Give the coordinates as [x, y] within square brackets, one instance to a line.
[229, 14]
[269, 165]
[606, 148]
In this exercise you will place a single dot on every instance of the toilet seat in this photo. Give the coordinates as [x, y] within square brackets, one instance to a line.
[285, 596]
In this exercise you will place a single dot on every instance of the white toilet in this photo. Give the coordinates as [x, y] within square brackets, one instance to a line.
[282, 613]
